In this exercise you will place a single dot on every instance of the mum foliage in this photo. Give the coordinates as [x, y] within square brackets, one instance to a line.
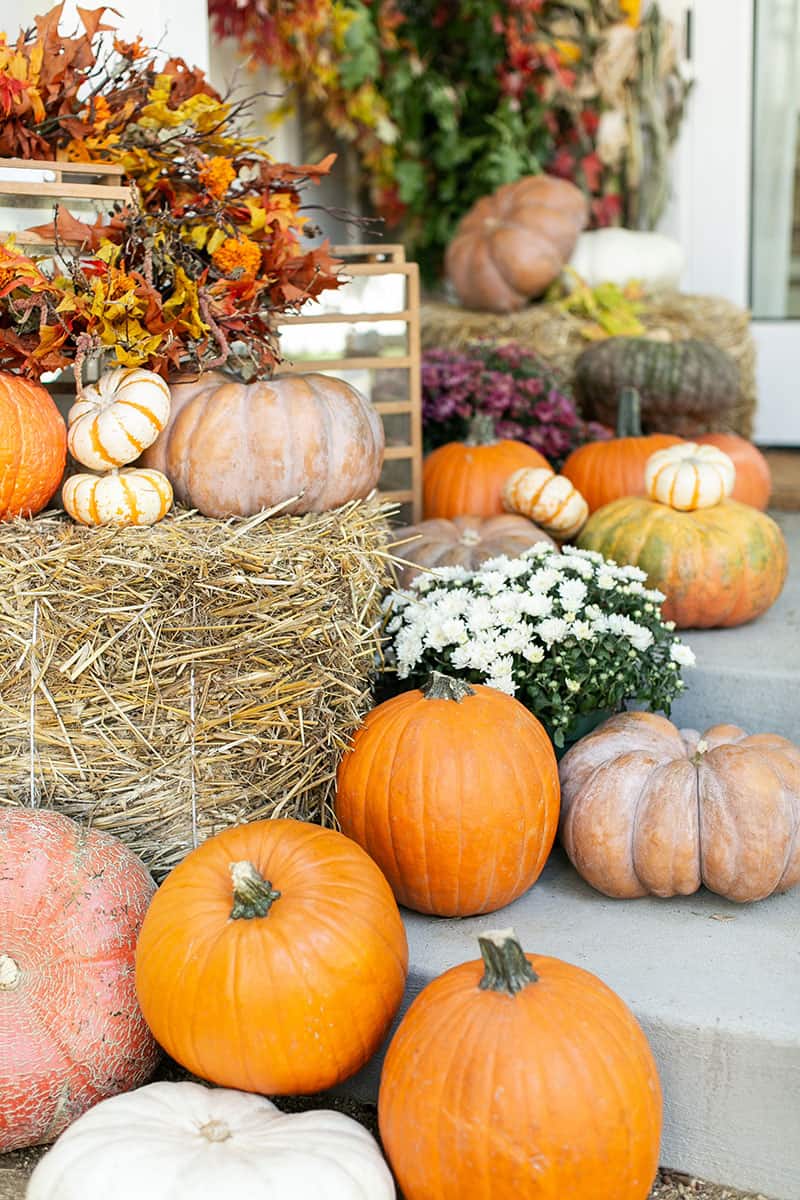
[197, 268]
[568, 633]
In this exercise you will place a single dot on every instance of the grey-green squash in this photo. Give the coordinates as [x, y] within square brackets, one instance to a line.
[686, 387]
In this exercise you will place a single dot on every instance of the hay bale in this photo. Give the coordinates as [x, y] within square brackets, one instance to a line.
[164, 683]
[557, 336]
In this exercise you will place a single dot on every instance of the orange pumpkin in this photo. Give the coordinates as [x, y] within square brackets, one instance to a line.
[605, 471]
[233, 448]
[33, 447]
[717, 566]
[272, 959]
[512, 245]
[463, 542]
[520, 1075]
[72, 902]
[753, 478]
[467, 478]
[453, 791]
[649, 809]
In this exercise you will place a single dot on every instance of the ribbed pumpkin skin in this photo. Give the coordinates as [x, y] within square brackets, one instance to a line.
[288, 1003]
[72, 902]
[686, 387]
[652, 810]
[456, 801]
[234, 449]
[33, 447]
[719, 566]
[753, 477]
[463, 480]
[464, 542]
[133, 496]
[552, 1093]
[606, 471]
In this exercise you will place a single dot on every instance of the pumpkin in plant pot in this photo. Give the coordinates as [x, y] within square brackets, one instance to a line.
[462, 542]
[685, 387]
[520, 1076]
[453, 790]
[720, 565]
[753, 483]
[511, 245]
[272, 959]
[72, 902]
[33, 447]
[467, 478]
[649, 809]
[233, 448]
[170, 1140]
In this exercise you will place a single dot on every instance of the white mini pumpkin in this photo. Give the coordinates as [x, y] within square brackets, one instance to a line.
[688, 476]
[551, 501]
[135, 496]
[115, 419]
[621, 255]
[170, 1141]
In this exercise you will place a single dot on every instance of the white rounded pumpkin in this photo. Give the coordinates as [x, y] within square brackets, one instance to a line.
[172, 1140]
[688, 476]
[115, 419]
[551, 501]
[622, 255]
[135, 496]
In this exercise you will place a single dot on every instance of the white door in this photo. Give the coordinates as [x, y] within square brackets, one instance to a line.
[737, 183]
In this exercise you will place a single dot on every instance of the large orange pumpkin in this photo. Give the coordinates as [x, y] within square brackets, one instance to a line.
[272, 959]
[467, 478]
[605, 471]
[717, 566]
[512, 245]
[72, 902]
[33, 447]
[453, 791]
[753, 477]
[652, 810]
[233, 448]
[520, 1075]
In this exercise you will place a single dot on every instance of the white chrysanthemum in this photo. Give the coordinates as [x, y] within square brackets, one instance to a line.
[589, 555]
[453, 603]
[582, 630]
[480, 614]
[483, 654]
[535, 604]
[452, 574]
[533, 652]
[408, 648]
[515, 568]
[580, 565]
[395, 624]
[501, 676]
[638, 635]
[572, 685]
[500, 565]
[514, 640]
[539, 550]
[552, 629]
[606, 580]
[572, 594]
[507, 606]
[544, 580]
[491, 582]
[682, 654]
[631, 572]
[655, 595]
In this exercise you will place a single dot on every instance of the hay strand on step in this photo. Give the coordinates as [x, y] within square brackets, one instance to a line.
[164, 683]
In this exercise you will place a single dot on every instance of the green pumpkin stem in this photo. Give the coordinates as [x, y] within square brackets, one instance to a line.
[445, 687]
[629, 413]
[253, 895]
[507, 968]
[481, 430]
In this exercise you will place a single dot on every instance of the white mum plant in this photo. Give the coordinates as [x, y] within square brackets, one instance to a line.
[569, 634]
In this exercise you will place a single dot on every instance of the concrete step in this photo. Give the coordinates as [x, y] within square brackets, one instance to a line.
[715, 985]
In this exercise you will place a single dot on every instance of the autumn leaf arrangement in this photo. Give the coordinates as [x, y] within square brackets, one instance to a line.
[195, 271]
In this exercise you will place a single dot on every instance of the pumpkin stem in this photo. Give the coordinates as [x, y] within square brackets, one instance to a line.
[481, 430]
[253, 895]
[507, 968]
[10, 974]
[445, 687]
[629, 413]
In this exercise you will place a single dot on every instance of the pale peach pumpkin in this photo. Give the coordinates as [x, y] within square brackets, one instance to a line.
[647, 809]
[234, 449]
[463, 542]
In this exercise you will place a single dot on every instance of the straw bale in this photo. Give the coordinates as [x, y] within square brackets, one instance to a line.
[164, 683]
[557, 336]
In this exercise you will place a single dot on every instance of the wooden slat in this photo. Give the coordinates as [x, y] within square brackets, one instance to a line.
[415, 388]
[408, 494]
[64, 191]
[346, 364]
[393, 250]
[345, 318]
[397, 452]
[386, 407]
[61, 168]
[379, 268]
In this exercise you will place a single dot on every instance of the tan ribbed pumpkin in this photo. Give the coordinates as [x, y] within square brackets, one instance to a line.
[135, 496]
[551, 500]
[462, 542]
[115, 419]
[234, 449]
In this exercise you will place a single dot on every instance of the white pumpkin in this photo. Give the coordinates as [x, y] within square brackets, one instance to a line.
[115, 419]
[688, 476]
[622, 255]
[135, 496]
[551, 501]
[183, 1141]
